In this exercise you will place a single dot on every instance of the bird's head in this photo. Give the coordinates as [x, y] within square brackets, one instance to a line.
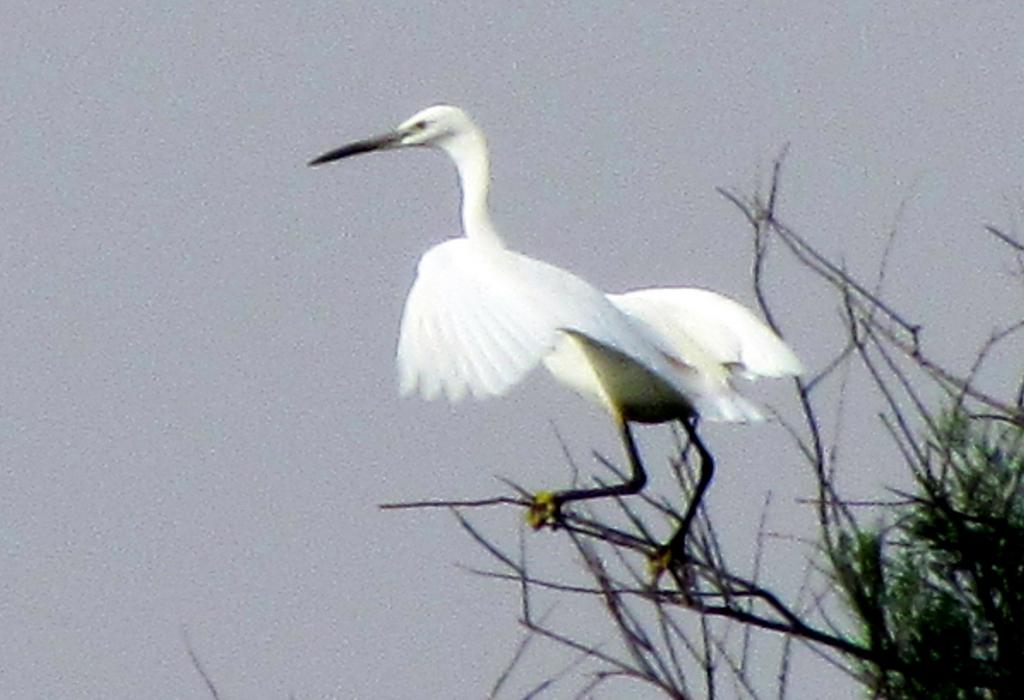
[441, 126]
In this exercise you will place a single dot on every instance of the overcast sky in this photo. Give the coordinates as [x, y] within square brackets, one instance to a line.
[198, 407]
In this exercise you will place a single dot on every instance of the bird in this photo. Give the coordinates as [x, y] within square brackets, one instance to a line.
[480, 317]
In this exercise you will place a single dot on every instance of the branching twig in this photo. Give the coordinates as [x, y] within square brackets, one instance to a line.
[687, 625]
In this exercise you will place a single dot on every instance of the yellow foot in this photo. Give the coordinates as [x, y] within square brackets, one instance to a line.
[665, 560]
[543, 511]
[659, 563]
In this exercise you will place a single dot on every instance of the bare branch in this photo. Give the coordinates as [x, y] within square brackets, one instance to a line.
[704, 621]
[443, 503]
[1006, 238]
[198, 666]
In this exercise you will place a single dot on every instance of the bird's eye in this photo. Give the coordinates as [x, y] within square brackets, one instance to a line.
[421, 124]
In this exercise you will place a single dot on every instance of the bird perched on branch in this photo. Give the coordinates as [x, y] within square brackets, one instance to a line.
[480, 316]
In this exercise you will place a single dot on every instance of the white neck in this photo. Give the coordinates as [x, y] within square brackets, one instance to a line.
[469, 152]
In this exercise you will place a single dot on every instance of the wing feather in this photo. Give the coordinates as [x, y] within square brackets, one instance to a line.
[718, 326]
[479, 347]
[467, 327]
[479, 318]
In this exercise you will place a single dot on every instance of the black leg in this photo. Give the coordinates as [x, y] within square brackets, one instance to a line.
[545, 509]
[676, 547]
[636, 482]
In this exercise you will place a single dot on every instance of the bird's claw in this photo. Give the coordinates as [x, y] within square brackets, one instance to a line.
[544, 510]
[666, 559]
[659, 563]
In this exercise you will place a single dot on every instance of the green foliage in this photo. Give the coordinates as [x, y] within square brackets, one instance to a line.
[940, 593]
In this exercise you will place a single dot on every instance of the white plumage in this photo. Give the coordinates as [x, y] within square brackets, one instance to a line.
[480, 317]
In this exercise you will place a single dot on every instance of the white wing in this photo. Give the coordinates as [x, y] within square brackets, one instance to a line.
[480, 317]
[715, 325]
[461, 333]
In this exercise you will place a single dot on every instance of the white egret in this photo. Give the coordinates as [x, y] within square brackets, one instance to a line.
[479, 317]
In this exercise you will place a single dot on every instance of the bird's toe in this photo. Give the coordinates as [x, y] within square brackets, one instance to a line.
[543, 510]
[659, 562]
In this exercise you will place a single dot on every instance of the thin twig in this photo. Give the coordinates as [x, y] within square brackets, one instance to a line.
[1006, 238]
[444, 503]
[198, 666]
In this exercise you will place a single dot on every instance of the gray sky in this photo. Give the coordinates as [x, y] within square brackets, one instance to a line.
[199, 411]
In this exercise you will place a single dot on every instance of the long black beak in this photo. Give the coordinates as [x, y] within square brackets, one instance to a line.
[375, 143]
